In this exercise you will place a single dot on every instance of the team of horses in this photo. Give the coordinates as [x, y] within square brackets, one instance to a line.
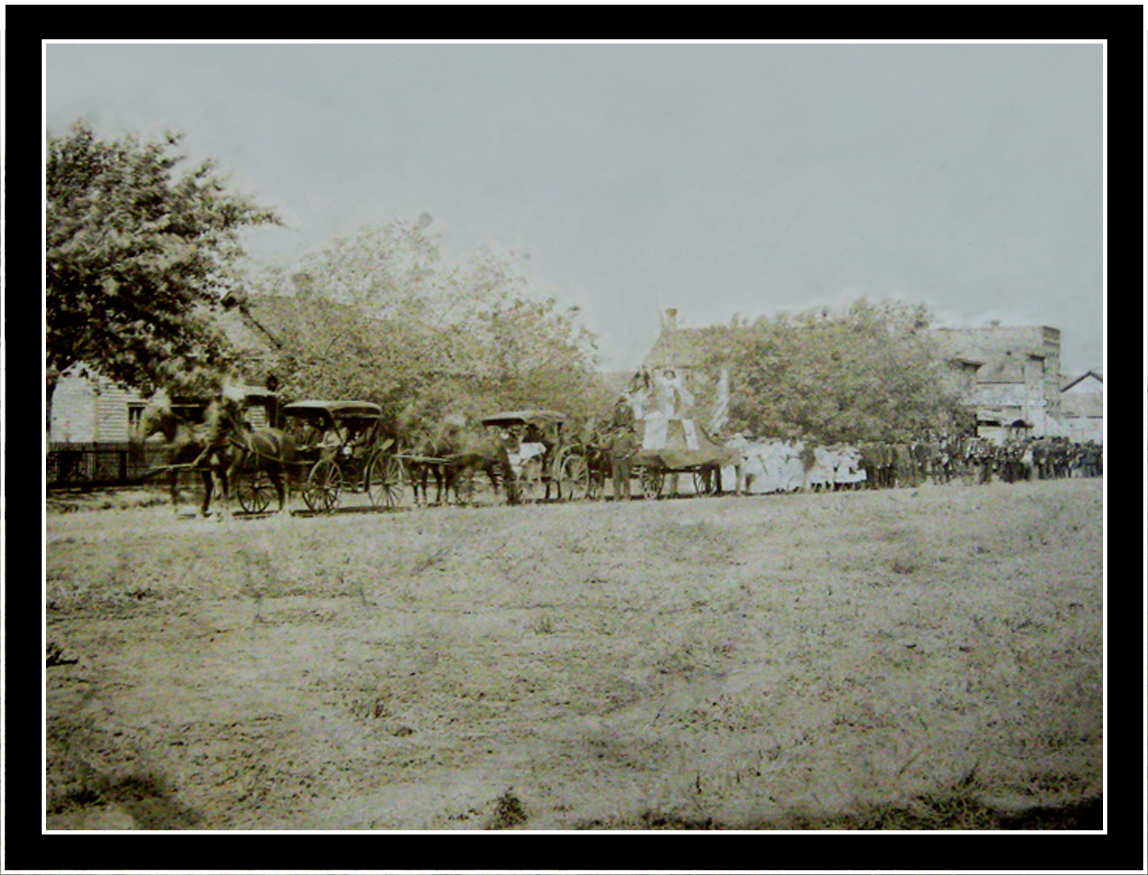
[218, 448]
[223, 445]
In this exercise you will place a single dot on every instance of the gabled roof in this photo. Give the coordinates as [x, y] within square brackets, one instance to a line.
[1094, 374]
[688, 347]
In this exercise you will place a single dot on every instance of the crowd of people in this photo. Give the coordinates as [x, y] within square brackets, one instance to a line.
[789, 466]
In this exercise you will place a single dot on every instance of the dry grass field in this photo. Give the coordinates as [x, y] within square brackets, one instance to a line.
[915, 659]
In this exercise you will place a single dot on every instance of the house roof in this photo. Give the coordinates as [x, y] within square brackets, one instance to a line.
[1094, 373]
[688, 347]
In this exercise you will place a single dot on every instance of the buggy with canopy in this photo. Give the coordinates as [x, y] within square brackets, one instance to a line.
[541, 455]
[341, 448]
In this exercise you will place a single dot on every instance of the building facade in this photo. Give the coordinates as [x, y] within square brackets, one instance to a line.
[1009, 376]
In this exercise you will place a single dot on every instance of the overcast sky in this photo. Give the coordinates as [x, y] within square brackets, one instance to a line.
[720, 179]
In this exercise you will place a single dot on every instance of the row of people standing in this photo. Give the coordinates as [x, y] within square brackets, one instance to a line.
[979, 460]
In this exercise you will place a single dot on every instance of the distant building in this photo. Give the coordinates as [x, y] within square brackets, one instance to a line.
[692, 358]
[89, 408]
[1082, 407]
[1009, 376]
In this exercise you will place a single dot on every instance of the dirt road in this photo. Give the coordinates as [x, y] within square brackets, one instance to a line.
[731, 662]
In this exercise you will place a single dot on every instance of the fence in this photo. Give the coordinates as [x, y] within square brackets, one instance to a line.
[119, 464]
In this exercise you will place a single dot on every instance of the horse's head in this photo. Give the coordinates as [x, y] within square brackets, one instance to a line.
[224, 418]
[157, 417]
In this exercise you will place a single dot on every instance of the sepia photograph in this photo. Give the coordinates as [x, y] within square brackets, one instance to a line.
[574, 436]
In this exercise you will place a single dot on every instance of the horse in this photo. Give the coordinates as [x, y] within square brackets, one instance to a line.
[429, 443]
[594, 438]
[189, 445]
[271, 450]
[469, 452]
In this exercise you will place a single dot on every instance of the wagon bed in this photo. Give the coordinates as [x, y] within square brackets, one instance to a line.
[680, 446]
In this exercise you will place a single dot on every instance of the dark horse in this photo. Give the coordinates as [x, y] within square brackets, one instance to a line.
[269, 450]
[460, 453]
[191, 445]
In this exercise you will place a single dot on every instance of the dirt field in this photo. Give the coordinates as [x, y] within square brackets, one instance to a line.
[906, 658]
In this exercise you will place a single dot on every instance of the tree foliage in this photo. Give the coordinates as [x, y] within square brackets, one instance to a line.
[871, 372]
[380, 316]
[136, 255]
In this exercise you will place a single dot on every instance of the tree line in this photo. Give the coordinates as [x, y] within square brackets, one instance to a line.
[139, 259]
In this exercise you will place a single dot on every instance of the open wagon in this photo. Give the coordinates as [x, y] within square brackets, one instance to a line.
[542, 460]
[680, 446]
[341, 448]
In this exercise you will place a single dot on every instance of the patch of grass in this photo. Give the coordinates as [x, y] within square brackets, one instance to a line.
[943, 812]
[542, 625]
[509, 811]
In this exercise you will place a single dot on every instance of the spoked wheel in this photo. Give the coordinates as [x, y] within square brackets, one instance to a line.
[705, 481]
[386, 480]
[574, 478]
[321, 491]
[596, 485]
[652, 479]
[254, 490]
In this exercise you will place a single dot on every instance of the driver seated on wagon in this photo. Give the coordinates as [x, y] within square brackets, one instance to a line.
[533, 443]
[346, 438]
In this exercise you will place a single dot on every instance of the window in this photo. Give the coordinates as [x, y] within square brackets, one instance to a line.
[135, 414]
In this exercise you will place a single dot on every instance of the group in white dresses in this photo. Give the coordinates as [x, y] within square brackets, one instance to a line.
[777, 466]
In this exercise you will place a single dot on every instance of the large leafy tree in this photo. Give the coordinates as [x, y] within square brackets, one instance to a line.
[870, 372]
[136, 256]
[379, 315]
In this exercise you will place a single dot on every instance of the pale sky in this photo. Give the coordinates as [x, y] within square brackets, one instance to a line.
[716, 178]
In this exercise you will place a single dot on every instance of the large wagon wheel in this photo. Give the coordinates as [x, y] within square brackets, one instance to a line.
[705, 481]
[573, 478]
[386, 480]
[652, 478]
[596, 485]
[321, 491]
[254, 490]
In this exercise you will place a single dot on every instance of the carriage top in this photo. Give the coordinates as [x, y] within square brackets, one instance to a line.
[352, 426]
[336, 411]
[525, 417]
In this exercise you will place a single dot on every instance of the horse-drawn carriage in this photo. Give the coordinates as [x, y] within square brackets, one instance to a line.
[339, 447]
[679, 446]
[543, 459]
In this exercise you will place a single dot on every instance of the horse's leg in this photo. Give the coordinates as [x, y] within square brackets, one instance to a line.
[208, 485]
[276, 473]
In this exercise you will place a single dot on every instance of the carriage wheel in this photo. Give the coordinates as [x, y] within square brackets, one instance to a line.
[596, 485]
[574, 478]
[321, 491]
[652, 479]
[705, 481]
[254, 490]
[386, 480]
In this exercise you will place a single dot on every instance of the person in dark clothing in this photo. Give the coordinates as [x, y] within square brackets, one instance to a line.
[623, 445]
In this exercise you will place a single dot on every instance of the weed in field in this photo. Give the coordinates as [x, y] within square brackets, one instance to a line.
[509, 811]
[542, 625]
